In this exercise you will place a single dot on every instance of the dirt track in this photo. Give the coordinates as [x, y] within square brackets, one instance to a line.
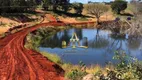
[19, 63]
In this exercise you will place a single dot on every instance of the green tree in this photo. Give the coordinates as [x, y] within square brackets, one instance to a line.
[65, 4]
[78, 7]
[17, 5]
[56, 4]
[47, 4]
[118, 6]
[97, 10]
[4, 5]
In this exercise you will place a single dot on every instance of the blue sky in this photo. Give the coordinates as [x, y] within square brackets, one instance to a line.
[85, 1]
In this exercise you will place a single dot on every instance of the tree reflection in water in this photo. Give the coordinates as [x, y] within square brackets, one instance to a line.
[56, 40]
[99, 41]
[101, 45]
[134, 43]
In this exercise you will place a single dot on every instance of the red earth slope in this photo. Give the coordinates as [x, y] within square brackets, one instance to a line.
[19, 63]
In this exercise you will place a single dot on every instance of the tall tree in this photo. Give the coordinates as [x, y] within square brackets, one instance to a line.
[4, 5]
[17, 5]
[78, 7]
[118, 6]
[97, 10]
[47, 4]
[63, 3]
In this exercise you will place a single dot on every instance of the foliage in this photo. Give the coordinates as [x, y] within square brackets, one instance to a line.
[118, 6]
[77, 74]
[56, 4]
[17, 6]
[97, 10]
[29, 5]
[78, 7]
[122, 57]
[35, 38]
[46, 4]
[33, 41]
[128, 68]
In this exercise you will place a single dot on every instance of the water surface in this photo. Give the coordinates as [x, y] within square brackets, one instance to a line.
[101, 46]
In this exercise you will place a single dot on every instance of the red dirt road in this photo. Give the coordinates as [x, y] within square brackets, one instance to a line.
[19, 63]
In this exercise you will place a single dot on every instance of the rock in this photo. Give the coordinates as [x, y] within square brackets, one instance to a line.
[89, 77]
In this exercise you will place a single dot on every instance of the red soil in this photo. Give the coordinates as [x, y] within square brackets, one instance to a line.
[19, 63]
[51, 17]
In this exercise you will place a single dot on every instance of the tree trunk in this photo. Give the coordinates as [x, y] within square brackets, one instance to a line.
[54, 8]
[118, 12]
[98, 21]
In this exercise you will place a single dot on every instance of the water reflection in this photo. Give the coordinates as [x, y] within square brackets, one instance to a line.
[101, 46]
[134, 43]
[99, 42]
[85, 41]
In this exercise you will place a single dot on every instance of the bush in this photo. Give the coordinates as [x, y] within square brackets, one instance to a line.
[76, 74]
[118, 6]
[128, 68]
[33, 41]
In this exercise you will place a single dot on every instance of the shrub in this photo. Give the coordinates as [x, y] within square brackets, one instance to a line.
[33, 41]
[76, 74]
[128, 68]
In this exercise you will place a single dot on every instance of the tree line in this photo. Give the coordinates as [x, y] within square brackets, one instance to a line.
[7, 6]
[96, 9]
[25, 5]
[12, 6]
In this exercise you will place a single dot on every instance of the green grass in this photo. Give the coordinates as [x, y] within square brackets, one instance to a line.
[81, 19]
[53, 57]
[3, 35]
[3, 24]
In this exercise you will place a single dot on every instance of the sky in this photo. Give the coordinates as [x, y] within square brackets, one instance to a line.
[86, 1]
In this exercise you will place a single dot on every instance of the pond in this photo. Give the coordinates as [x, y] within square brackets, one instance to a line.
[99, 46]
